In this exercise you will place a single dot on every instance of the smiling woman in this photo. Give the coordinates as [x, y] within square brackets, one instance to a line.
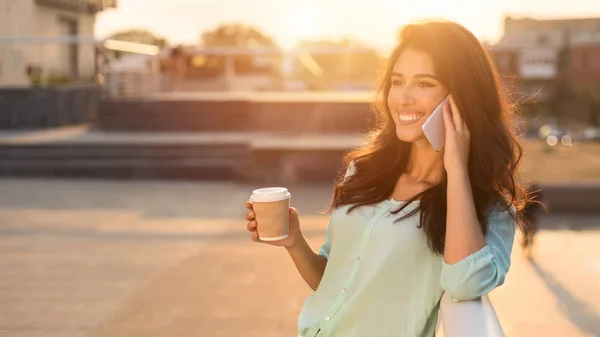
[410, 224]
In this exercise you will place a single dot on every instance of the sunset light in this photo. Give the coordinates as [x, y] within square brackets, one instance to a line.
[302, 168]
[300, 24]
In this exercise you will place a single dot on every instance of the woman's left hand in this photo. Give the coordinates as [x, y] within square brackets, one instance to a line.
[458, 140]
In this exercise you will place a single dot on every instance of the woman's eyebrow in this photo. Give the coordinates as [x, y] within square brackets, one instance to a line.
[433, 77]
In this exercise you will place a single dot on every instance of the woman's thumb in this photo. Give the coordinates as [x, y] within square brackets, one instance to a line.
[293, 215]
[294, 221]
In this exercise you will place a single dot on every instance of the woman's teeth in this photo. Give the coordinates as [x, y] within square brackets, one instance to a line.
[409, 118]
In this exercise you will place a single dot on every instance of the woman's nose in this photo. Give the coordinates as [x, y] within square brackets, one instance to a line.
[405, 98]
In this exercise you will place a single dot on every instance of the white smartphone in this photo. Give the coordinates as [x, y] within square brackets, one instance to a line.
[434, 128]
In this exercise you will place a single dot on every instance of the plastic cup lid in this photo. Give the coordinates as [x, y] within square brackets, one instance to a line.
[269, 194]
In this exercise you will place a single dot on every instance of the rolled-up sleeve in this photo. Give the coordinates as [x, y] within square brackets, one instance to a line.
[484, 270]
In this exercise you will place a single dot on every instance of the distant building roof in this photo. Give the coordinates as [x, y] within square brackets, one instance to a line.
[518, 26]
[531, 39]
[546, 40]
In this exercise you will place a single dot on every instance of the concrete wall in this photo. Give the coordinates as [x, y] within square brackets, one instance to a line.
[572, 198]
[23, 18]
[53, 22]
[16, 18]
[49, 107]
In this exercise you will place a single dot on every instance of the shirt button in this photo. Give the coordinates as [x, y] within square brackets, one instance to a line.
[358, 258]
[344, 290]
[326, 318]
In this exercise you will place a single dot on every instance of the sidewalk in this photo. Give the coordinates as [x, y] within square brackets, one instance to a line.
[104, 259]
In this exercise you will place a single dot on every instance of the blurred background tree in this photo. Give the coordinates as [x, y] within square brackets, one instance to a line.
[358, 68]
[243, 36]
[139, 36]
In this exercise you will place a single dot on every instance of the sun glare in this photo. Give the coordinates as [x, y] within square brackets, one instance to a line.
[301, 24]
[474, 14]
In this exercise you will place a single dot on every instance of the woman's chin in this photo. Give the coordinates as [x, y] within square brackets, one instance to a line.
[409, 136]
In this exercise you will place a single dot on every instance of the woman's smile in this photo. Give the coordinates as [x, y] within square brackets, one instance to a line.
[407, 117]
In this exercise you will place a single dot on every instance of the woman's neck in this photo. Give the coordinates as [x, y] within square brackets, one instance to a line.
[424, 163]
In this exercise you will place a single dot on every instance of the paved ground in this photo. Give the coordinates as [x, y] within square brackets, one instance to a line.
[101, 258]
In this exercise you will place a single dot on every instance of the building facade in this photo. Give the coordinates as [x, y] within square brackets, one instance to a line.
[583, 74]
[24, 24]
[553, 64]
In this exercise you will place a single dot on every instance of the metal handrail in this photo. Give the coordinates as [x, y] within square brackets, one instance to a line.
[476, 318]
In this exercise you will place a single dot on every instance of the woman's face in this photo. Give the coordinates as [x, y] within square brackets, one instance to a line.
[414, 93]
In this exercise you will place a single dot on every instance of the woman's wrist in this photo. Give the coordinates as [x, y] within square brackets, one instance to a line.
[457, 173]
[298, 241]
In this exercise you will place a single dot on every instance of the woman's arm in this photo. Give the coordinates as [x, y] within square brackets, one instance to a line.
[484, 270]
[463, 234]
[310, 265]
[473, 265]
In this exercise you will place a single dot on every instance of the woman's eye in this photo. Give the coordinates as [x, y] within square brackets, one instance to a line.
[424, 84]
[397, 82]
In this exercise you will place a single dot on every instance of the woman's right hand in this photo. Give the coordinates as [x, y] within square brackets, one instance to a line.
[294, 231]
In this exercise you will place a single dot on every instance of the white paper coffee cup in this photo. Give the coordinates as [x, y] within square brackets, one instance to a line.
[271, 208]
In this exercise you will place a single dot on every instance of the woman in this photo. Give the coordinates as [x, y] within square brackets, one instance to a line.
[408, 222]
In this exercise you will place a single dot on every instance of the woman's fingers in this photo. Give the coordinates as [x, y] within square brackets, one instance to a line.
[459, 121]
[255, 237]
[448, 123]
[251, 226]
[456, 117]
[250, 214]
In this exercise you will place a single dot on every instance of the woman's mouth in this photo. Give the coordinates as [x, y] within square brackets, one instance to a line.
[407, 118]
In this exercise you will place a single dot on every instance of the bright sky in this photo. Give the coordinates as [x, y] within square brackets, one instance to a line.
[371, 21]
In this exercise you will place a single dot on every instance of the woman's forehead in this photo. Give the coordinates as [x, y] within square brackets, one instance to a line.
[413, 61]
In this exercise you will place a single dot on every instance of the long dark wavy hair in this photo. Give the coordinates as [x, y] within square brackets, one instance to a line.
[465, 68]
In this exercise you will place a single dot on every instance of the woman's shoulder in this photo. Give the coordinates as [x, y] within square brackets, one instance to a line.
[501, 208]
[502, 215]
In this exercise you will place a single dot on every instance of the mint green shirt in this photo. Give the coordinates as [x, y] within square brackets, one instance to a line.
[382, 279]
